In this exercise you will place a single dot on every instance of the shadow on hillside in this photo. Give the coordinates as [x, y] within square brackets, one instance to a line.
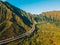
[32, 34]
[18, 12]
[27, 22]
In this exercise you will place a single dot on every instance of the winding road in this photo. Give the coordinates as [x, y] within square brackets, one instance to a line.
[18, 37]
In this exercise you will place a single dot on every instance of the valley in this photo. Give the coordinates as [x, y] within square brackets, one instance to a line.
[18, 27]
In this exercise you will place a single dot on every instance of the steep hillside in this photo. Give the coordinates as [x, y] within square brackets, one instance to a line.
[52, 14]
[12, 21]
[52, 17]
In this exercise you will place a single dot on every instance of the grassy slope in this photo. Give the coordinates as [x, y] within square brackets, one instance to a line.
[12, 24]
[47, 34]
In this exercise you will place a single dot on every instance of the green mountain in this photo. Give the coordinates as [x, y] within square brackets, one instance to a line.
[13, 21]
[47, 30]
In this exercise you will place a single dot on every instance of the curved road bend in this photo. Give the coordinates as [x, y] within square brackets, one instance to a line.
[18, 37]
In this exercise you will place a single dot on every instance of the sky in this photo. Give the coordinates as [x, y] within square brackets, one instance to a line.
[36, 6]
